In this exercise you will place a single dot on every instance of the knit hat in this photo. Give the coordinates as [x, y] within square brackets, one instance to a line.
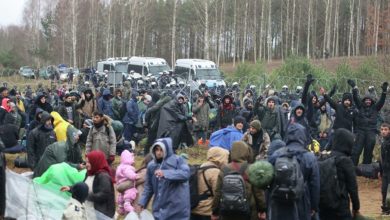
[346, 96]
[256, 124]
[80, 191]
[239, 119]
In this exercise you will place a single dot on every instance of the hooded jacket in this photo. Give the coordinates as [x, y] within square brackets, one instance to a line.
[60, 126]
[343, 143]
[171, 192]
[344, 116]
[259, 142]
[102, 139]
[271, 119]
[225, 137]
[367, 116]
[105, 105]
[226, 113]
[38, 104]
[62, 151]
[88, 107]
[216, 158]
[296, 140]
[302, 120]
[39, 139]
[9, 132]
[4, 109]
[126, 170]
[240, 155]
[385, 156]
[132, 111]
[36, 121]
[201, 113]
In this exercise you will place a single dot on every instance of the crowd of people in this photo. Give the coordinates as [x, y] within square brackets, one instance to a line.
[240, 127]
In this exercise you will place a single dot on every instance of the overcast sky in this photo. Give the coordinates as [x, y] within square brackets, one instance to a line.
[11, 12]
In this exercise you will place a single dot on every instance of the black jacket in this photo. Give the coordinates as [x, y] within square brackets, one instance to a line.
[9, 133]
[103, 195]
[367, 117]
[344, 116]
[385, 156]
[342, 148]
[38, 139]
[37, 104]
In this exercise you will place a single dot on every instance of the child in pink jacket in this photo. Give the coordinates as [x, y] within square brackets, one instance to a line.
[124, 172]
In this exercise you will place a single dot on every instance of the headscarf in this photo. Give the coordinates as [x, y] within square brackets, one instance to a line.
[99, 164]
[4, 104]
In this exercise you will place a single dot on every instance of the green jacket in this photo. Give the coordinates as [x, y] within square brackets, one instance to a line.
[201, 114]
[117, 108]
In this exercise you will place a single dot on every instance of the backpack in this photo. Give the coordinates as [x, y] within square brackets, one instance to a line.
[289, 183]
[330, 192]
[195, 196]
[233, 192]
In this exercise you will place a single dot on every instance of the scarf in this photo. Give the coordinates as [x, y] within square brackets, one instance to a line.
[99, 164]
[4, 104]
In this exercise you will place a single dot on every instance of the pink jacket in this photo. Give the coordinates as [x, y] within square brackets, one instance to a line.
[126, 170]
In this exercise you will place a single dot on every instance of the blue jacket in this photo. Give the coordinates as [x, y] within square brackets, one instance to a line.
[132, 112]
[296, 143]
[104, 105]
[171, 192]
[225, 137]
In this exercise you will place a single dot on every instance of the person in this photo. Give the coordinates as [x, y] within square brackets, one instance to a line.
[217, 157]
[40, 102]
[201, 122]
[3, 164]
[9, 134]
[36, 121]
[76, 209]
[68, 110]
[167, 178]
[101, 194]
[105, 103]
[225, 137]
[240, 155]
[343, 142]
[5, 108]
[3, 93]
[67, 151]
[173, 122]
[60, 126]
[366, 123]
[118, 105]
[385, 165]
[307, 205]
[226, 112]
[88, 103]
[126, 172]
[102, 137]
[298, 116]
[39, 138]
[131, 117]
[270, 117]
[258, 139]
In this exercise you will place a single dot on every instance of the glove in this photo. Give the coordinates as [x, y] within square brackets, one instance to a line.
[309, 79]
[111, 159]
[333, 91]
[384, 86]
[351, 83]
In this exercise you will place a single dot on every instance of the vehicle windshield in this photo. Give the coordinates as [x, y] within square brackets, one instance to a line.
[208, 74]
[121, 67]
[154, 70]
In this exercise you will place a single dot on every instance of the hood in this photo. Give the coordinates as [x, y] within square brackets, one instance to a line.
[296, 107]
[38, 97]
[229, 97]
[274, 98]
[296, 133]
[4, 104]
[106, 92]
[240, 152]
[45, 116]
[368, 96]
[57, 118]
[274, 146]
[218, 155]
[89, 91]
[71, 132]
[37, 112]
[179, 95]
[165, 144]
[127, 158]
[343, 141]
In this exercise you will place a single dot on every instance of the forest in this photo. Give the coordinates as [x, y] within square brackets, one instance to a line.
[81, 32]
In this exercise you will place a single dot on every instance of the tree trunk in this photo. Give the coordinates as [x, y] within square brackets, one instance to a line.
[287, 28]
[173, 55]
[74, 35]
[245, 31]
[377, 10]
[281, 30]
[358, 26]
[308, 31]
[254, 31]
[220, 31]
[327, 18]
[351, 7]
[293, 28]
[269, 37]
[235, 30]
[299, 29]
[206, 30]
[261, 37]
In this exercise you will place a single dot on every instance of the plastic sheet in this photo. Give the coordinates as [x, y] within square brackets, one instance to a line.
[144, 215]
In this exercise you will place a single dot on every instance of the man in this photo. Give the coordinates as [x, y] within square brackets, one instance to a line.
[385, 162]
[68, 110]
[258, 139]
[225, 137]
[39, 138]
[226, 112]
[305, 207]
[167, 179]
[105, 103]
[88, 103]
[3, 93]
[200, 112]
[173, 122]
[240, 157]
[131, 117]
[341, 149]
[118, 105]
[102, 137]
[270, 117]
[9, 134]
[64, 151]
[366, 123]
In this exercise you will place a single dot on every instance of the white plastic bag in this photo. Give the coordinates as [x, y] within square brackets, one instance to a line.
[144, 215]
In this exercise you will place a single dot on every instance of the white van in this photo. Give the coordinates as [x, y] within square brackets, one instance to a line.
[199, 70]
[148, 65]
[113, 64]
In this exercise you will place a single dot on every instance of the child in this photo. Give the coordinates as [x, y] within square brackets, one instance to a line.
[385, 158]
[76, 209]
[126, 172]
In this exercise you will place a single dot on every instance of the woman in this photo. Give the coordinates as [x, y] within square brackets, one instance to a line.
[101, 196]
